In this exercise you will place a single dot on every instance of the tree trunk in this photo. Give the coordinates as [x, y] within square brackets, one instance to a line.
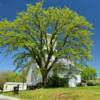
[44, 78]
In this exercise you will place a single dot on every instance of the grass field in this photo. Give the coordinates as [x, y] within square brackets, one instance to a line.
[83, 93]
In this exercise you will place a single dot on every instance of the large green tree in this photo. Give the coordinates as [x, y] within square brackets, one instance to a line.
[44, 36]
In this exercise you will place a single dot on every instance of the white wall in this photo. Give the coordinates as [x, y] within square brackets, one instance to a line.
[9, 86]
[74, 81]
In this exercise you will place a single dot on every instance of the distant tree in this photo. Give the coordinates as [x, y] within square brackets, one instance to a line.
[44, 36]
[2, 79]
[89, 73]
[9, 77]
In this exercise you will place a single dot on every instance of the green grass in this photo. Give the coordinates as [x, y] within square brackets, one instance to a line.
[83, 93]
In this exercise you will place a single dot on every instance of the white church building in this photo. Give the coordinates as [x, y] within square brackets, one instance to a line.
[73, 74]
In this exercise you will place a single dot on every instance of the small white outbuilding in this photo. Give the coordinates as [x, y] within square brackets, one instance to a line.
[9, 86]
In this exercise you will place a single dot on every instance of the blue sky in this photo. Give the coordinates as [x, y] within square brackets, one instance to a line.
[88, 8]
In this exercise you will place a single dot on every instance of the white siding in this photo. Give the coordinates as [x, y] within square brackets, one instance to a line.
[9, 86]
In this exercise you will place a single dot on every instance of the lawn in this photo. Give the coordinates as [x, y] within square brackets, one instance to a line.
[83, 93]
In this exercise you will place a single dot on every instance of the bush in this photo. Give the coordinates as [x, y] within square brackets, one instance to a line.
[97, 84]
[91, 84]
[56, 81]
[33, 87]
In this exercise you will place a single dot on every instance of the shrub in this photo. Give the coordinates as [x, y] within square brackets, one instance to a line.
[91, 84]
[96, 82]
[56, 81]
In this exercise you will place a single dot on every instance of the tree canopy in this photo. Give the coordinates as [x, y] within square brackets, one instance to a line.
[89, 73]
[44, 36]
